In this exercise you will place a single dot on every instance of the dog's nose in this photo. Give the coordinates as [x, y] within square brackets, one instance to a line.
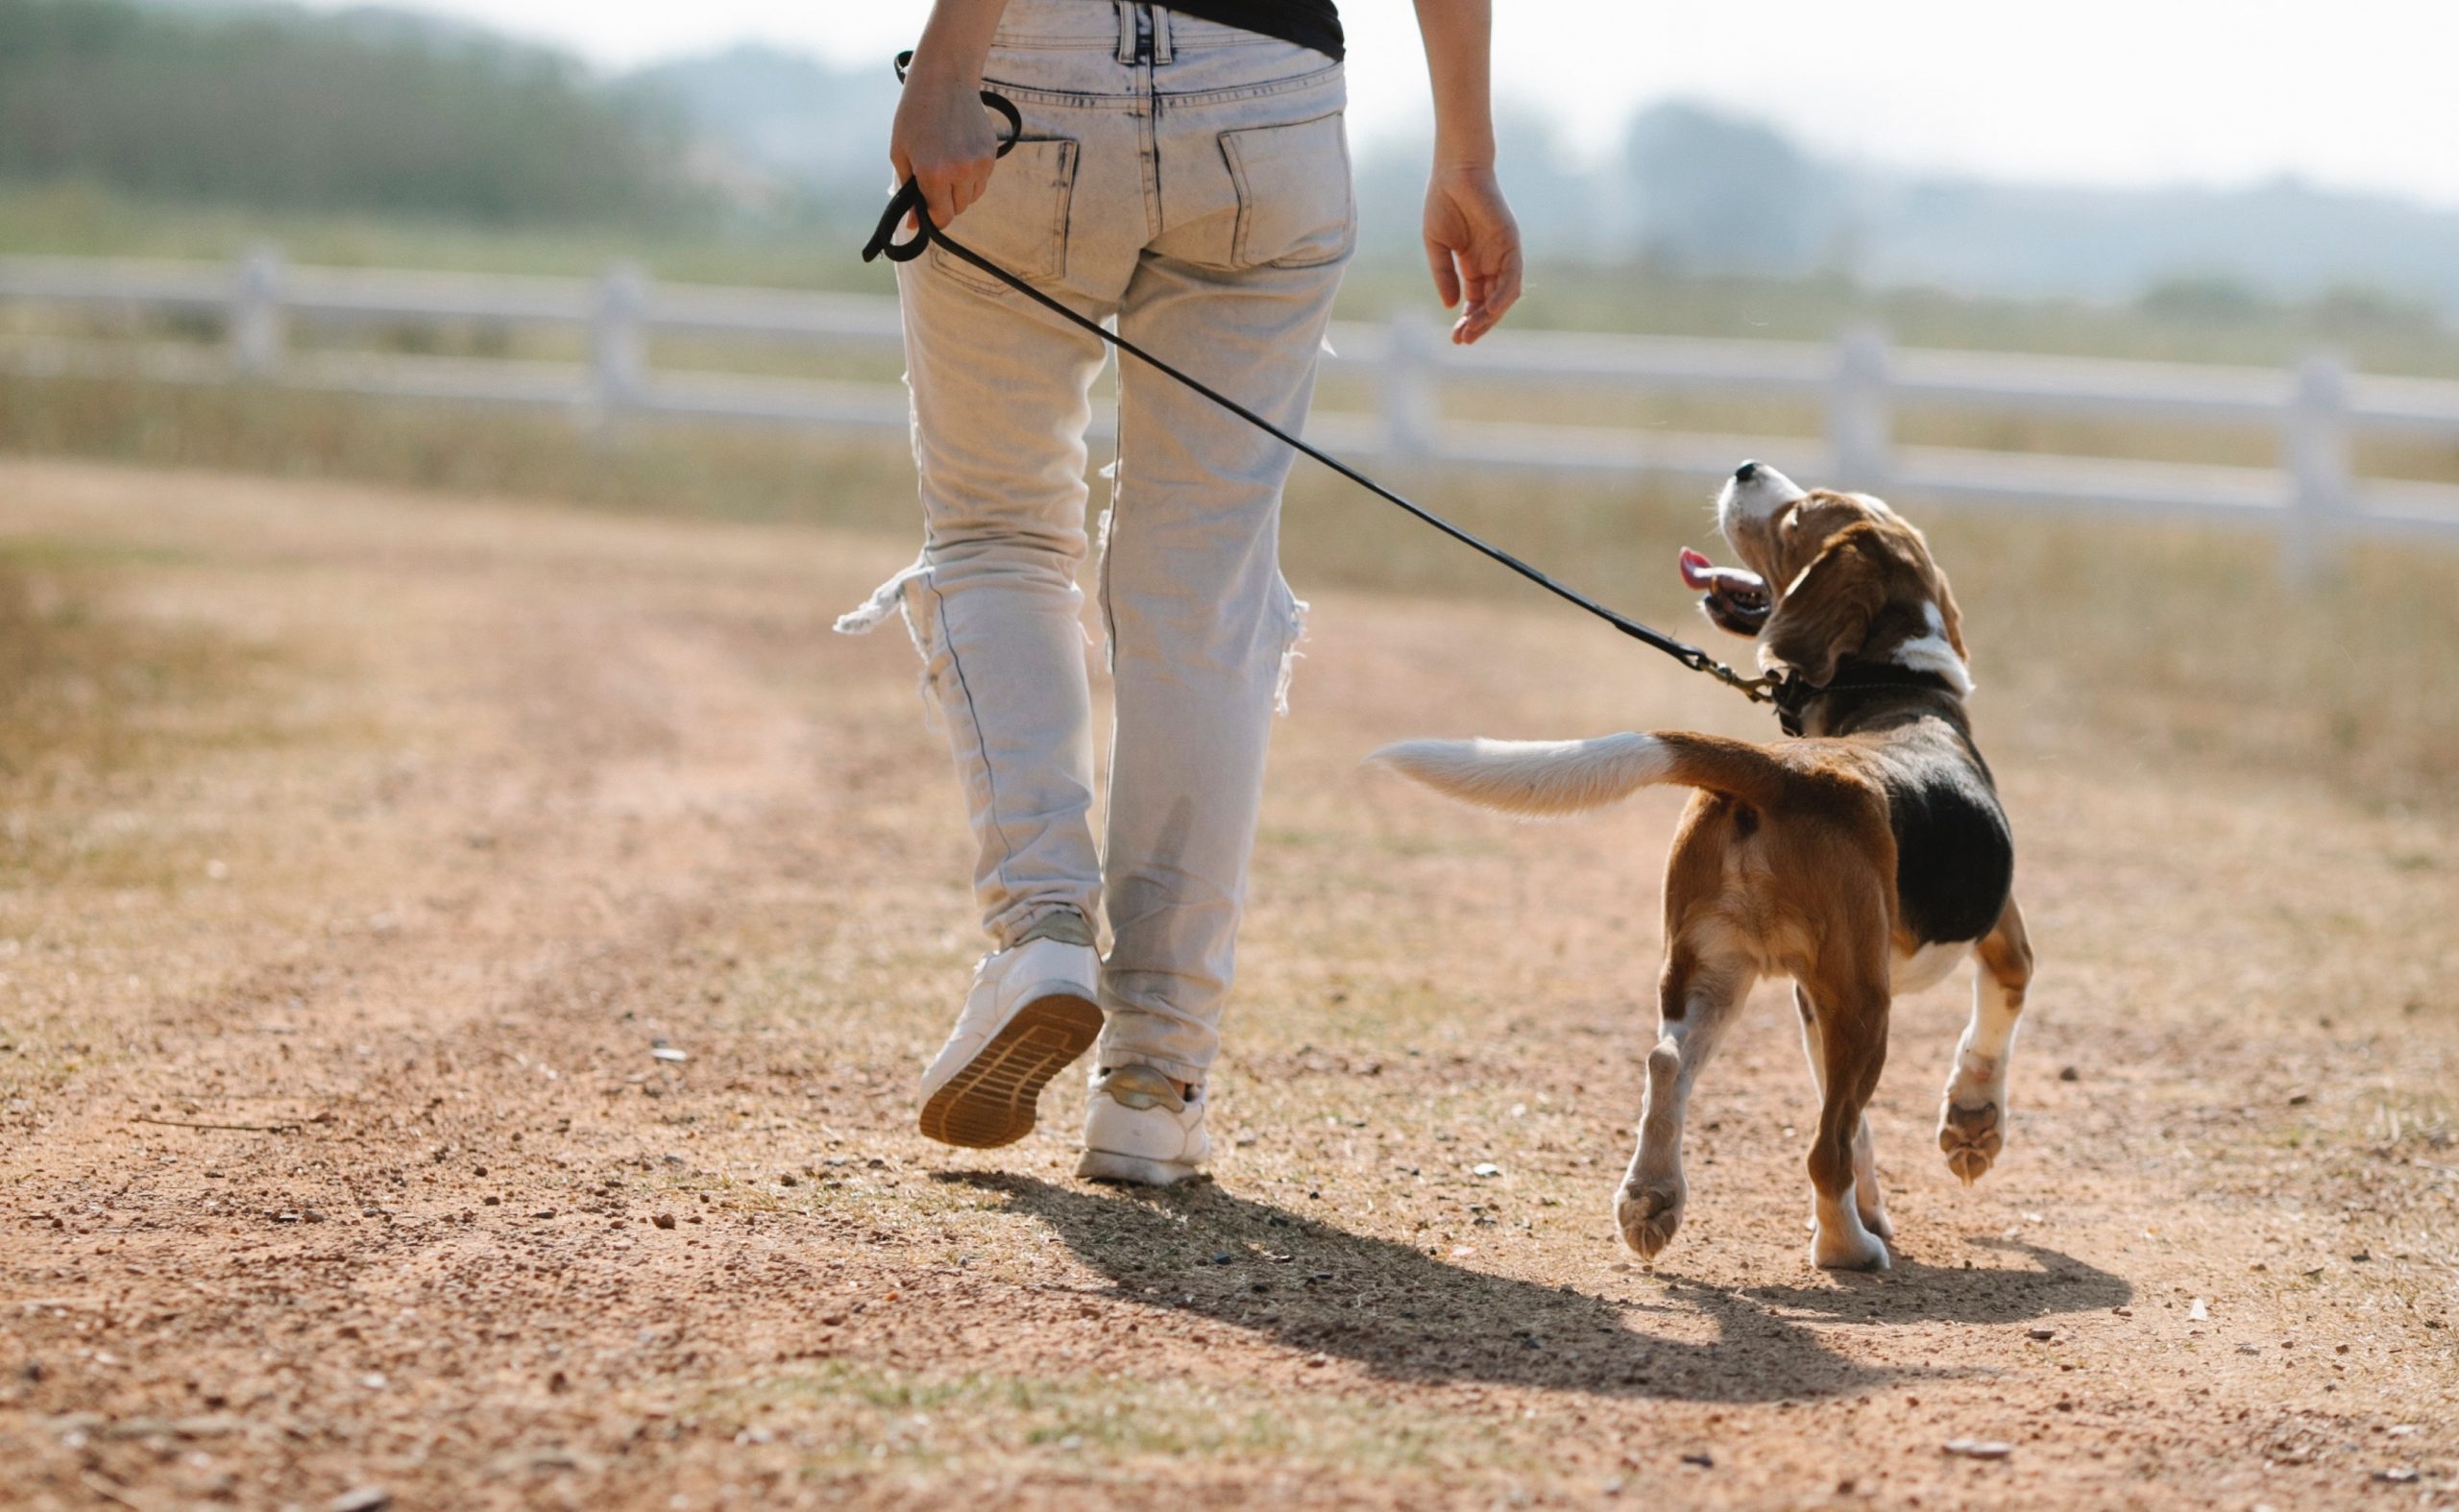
[1745, 473]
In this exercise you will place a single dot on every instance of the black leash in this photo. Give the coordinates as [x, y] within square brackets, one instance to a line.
[1772, 689]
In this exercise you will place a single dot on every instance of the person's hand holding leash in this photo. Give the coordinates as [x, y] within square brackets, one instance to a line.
[941, 138]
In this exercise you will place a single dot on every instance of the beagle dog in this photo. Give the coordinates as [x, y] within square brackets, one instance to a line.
[1866, 858]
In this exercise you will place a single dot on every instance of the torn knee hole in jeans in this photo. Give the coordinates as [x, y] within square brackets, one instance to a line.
[898, 595]
[1101, 578]
[1294, 615]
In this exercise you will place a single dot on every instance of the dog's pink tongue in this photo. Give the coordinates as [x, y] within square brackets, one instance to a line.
[1698, 573]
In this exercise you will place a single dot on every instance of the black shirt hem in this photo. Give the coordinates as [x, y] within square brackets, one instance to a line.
[1309, 23]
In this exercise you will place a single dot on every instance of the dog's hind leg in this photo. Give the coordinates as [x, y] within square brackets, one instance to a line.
[1972, 1117]
[1867, 1200]
[1848, 991]
[1695, 999]
[1853, 1047]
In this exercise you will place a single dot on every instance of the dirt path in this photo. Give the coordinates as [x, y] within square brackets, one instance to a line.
[500, 801]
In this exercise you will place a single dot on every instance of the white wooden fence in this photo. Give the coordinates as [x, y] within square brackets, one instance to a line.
[2313, 497]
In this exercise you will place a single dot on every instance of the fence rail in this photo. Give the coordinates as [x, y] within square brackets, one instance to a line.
[2313, 497]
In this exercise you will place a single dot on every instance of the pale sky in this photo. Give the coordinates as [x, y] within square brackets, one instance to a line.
[2352, 93]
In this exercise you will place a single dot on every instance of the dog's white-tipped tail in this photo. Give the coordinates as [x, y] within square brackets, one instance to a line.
[1534, 776]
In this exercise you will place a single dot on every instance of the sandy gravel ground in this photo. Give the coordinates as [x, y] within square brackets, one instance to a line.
[342, 1164]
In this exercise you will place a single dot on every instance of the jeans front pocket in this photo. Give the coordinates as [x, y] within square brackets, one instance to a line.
[1020, 222]
[1295, 209]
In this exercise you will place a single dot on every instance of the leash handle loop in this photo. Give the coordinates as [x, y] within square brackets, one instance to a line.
[908, 197]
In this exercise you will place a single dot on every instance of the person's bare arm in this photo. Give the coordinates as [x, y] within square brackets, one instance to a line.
[942, 138]
[1471, 242]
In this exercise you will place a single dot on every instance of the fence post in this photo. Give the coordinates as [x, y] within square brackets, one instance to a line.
[258, 331]
[1411, 413]
[617, 351]
[1861, 429]
[2314, 435]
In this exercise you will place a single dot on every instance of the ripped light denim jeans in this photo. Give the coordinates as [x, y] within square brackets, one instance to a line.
[1190, 181]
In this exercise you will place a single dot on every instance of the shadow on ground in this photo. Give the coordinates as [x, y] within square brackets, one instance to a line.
[1409, 1316]
[1979, 1291]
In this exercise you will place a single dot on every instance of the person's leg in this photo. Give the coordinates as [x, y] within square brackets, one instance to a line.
[1236, 289]
[1001, 402]
[1001, 398]
[1000, 405]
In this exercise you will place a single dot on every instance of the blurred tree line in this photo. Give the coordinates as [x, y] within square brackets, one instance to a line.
[1695, 191]
[282, 108]
[258, 106]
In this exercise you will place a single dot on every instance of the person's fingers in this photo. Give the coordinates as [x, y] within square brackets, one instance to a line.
[1493, 291]
[904, 166]
[1478, 315]
[939, 197]
[1473, 305]
[1446, 278]
[947, 191]
[1475, 322]
[1501, 294]
[1506, 291]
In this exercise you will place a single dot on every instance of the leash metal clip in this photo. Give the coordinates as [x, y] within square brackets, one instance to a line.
[1768, 688]
[908, 198]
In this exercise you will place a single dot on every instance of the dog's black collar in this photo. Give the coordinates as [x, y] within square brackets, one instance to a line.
[1796, 694]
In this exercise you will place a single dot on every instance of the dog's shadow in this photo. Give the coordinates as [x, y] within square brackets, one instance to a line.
[1406, 1316]
[1919, 1291]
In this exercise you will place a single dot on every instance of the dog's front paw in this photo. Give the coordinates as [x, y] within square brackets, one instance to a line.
[1648, 1215]
[1971, 1137]
[1842, 1247]
[1873, 1211]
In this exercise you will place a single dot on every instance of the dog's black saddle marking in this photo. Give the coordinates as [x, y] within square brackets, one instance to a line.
[1954, 854]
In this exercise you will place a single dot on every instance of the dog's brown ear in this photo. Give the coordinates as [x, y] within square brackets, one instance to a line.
[1827, 613]
[1951, 616]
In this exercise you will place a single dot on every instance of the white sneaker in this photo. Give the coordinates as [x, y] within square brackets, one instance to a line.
[1031, 1013]
[1137, 1128]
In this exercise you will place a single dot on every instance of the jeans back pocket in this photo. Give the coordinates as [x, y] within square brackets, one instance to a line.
[1020, 222]
[1295, 209]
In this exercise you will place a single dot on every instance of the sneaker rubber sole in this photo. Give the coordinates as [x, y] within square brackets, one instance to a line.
[1133, 1170]
[991, 1101]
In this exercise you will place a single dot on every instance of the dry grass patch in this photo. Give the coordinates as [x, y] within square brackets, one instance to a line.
[717, 473]
[877, 1423]
[96, 697]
